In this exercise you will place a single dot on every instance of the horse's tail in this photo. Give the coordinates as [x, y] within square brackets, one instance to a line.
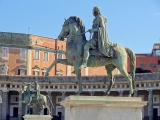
[132, 64]
[50, 101]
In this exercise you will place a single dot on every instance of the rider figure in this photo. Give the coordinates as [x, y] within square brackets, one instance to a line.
[36, 92]
[99, 39]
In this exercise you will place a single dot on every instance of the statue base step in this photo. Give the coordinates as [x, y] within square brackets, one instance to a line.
[37, 117]
[103, 108]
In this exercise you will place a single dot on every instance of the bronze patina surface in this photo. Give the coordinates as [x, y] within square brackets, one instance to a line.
[34, 97]
[79, 55]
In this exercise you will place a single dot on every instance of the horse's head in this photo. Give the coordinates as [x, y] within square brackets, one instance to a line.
[65, 30]
[25, 88]
[72, 26]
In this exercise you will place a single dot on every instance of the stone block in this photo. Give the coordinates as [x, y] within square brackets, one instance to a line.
[37, 117]
[103, 108]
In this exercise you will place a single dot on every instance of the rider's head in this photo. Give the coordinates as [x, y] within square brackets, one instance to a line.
[96, 11]
[35, 82]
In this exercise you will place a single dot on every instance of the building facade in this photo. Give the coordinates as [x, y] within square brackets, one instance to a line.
[59, 87]
[149, 61]
[17, 59]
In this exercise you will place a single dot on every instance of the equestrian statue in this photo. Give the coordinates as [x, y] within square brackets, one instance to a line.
[34, 97]
[96, 52]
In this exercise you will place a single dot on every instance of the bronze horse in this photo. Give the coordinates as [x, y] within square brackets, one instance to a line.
[75, 30]
[42, 100]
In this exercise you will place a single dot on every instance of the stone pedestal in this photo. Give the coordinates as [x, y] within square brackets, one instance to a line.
[37, 117]
[103, 108]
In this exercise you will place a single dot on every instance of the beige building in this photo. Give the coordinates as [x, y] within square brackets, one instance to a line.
[147, 87]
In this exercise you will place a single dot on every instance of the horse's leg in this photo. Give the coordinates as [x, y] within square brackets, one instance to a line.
[25, 102]
[110, 69]
[41, 108]
[28, 110]
[78, 76]
[20, 103]
[128, 77]
[49, 112]
[61, 61]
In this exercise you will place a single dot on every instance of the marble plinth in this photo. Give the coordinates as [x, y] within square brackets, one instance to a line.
[37, 117]
[103, 108]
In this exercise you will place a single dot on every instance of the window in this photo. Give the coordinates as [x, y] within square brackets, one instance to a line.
[14, 99]
[152, 84]
[155, 98]
[147, 85]
[4, 69]
[23, 54]
[58, 99]
[142, 85]
[22, 70]
[142, 66]
[45, 56]
[36, 73]
[137, 85]
[36, 55]
[152, 65]
[4, 53]
[59, 56]
[75, 87]
[59, 72]
[36, 70]
[157, 84]
[44, 71]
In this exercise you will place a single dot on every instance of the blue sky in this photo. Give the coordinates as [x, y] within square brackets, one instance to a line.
[131, 23]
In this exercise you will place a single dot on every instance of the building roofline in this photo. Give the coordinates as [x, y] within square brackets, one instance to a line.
[28, 34]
